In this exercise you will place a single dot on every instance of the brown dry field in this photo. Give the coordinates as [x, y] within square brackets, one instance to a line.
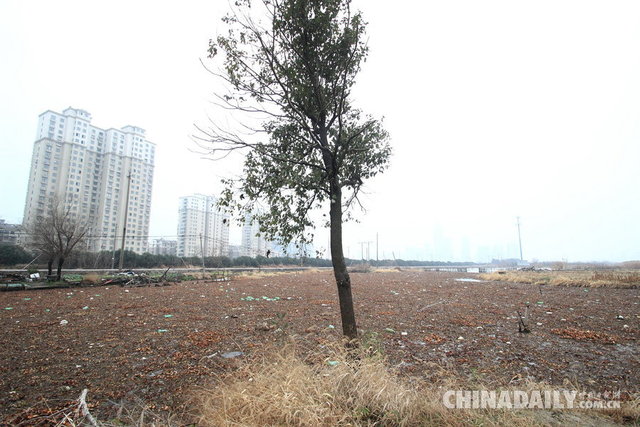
[160, 344]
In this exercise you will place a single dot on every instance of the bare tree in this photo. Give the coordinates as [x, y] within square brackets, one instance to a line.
[56, 234]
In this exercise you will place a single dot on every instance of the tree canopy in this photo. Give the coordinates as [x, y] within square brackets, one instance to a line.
[292, 65]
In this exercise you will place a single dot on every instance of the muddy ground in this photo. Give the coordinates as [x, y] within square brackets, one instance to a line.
[157, 344]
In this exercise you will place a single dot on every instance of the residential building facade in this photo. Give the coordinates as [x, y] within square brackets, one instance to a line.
[94, 172]
[253, 242]
[9, 233]
[202, 229]
[164, 247]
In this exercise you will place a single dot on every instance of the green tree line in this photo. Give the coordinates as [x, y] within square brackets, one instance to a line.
[16, 256]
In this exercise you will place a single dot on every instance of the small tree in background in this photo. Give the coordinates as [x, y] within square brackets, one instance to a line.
[312, 148]
[56, 235]
[13, 254]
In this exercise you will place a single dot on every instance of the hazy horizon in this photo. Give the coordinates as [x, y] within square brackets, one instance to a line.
[496, 110]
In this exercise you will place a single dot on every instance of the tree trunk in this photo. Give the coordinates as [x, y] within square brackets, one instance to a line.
[49, 267]
[59, 273]
[340, 267]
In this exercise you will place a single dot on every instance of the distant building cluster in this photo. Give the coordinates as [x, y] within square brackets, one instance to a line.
[253, 242]
[105, 178]
[203, 230]
[100, 174]
[164, 247]
[9, 233]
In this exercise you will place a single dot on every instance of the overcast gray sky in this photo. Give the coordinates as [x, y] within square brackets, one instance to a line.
[496, 109]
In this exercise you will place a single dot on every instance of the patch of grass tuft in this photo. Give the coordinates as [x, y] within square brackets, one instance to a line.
[589, 279]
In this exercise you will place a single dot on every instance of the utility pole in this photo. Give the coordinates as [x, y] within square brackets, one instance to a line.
[124, 225]
[362, 249]
[519, 237]
[202, 249]
[377, 259]
[113, 254]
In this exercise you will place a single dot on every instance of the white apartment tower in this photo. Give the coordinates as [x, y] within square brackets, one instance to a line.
[202, 229]
[91, 169]
[253, 242]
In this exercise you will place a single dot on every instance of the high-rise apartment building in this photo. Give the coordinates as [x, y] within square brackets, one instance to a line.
[164, 247]
[202, 229]
[91, 170]
[253, 242]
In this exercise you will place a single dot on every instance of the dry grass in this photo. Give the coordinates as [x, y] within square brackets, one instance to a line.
[71, 414]
[92, 278]
[357, 388]
[140, 414]
[590, 279]
[631, 265]
[387, 269]
[359, 268]
[287, 389]
[336, 386]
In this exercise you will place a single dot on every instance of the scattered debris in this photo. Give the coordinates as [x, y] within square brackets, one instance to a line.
[264, 326]
[131, 339]
[130, 278]
[63, 322]
[434, 339]
[12, 277]
[581, 335]
[250, 298]
[231, 354]
[14, 286]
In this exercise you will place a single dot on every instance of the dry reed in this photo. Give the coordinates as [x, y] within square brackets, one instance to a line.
[591, 279]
